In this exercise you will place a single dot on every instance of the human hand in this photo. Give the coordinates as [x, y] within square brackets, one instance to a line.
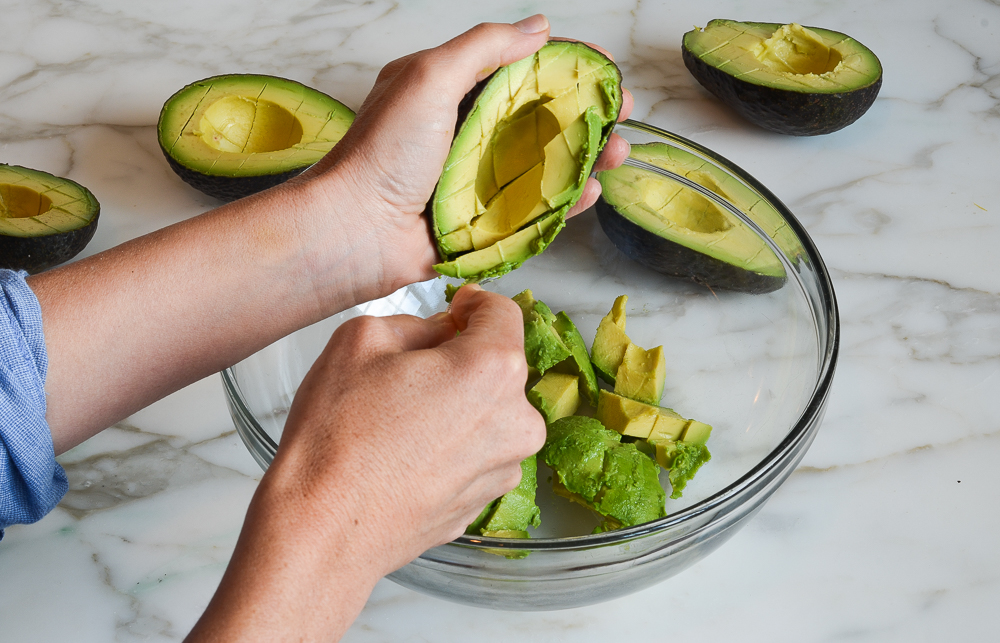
[393, 153]
[398, 437]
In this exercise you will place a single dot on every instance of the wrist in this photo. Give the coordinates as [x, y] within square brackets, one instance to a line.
[300, 566]
[347, 246]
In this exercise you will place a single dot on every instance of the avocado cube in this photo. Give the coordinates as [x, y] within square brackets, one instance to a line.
[642, 374]
[669, 426]
[556, 396]
[626, 416]
[610, 342]
[696, 433]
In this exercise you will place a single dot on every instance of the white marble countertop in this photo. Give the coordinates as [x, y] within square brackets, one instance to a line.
[886, 532]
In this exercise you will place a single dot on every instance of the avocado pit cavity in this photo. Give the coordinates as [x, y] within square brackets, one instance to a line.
[793, 49]
[246, 125]
[19, 202]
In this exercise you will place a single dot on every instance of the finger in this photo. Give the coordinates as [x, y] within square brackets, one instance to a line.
[628, 102]
[478, 314]
[392, 69]
[591, 191]
[615, 152]
[456, 66]
[409, 333]
[364, 338]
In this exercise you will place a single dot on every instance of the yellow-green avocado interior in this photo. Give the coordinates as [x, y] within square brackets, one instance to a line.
[250, 125]
[35, 204]
[790, 57]
[521, 158]
[678, 213]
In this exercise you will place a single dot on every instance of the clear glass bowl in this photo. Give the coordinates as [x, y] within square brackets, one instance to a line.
[756, 367]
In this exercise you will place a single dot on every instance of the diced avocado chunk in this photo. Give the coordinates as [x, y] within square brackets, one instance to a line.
[556, 396]
[626, 416]
[645, 421]
[510, 515]
[593, 467]
[683, 460]
[610, 342]
[580, 363]
[642, 374]
[543, 348]
[679, 443]
[669, 425]
[696, 432]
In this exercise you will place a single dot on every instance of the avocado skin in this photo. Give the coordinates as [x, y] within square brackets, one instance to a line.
[229, 188]
[672, 259]
[780, 110]
[36, 254]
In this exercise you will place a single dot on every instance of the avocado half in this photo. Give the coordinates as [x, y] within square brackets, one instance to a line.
[520, 158]
[789, 79]
[231, 136]
[676, 231]
[44, 219]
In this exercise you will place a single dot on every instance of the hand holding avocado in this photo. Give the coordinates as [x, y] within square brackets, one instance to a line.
[395, 150]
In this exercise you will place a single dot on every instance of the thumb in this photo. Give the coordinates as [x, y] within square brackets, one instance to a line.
[477, 53]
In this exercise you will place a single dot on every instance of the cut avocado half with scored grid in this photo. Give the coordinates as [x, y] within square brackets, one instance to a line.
[44, 219]
[231, 136]
[786, 78]
[677, 231]
[527, 140]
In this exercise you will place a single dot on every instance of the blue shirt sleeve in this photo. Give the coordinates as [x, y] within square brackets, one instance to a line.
[31, 481]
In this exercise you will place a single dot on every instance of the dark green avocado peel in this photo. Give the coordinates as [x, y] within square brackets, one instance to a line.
[789, 79]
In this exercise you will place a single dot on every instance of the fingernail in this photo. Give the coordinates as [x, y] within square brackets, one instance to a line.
[436, 317]
[533, 24]
[473, 286]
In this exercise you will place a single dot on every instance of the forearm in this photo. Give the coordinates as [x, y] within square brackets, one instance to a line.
[137, 322]
[294, 575]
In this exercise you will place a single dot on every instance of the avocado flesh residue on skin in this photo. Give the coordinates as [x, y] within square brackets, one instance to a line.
[594, 468]
[553, 341]
[678, 214]
[521, 158]
[510, 515]
[44, 219]
[789, 57]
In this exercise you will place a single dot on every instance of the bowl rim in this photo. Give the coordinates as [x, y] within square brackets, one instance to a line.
[789, 445]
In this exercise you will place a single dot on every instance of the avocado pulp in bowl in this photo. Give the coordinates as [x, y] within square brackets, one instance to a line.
[756, 366]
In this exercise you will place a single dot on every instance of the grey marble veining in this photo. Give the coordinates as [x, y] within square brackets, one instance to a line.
[885, 533]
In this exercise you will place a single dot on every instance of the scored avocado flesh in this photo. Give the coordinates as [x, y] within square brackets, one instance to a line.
[521, 158]
[681, 215]
[36, 204]
[247, 125]
[790, 57]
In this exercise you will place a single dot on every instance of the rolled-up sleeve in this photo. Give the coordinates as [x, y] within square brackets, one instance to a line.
[31, 481]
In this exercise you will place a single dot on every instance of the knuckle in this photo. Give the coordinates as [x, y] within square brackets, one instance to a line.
[359, 335]
[511, 477]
